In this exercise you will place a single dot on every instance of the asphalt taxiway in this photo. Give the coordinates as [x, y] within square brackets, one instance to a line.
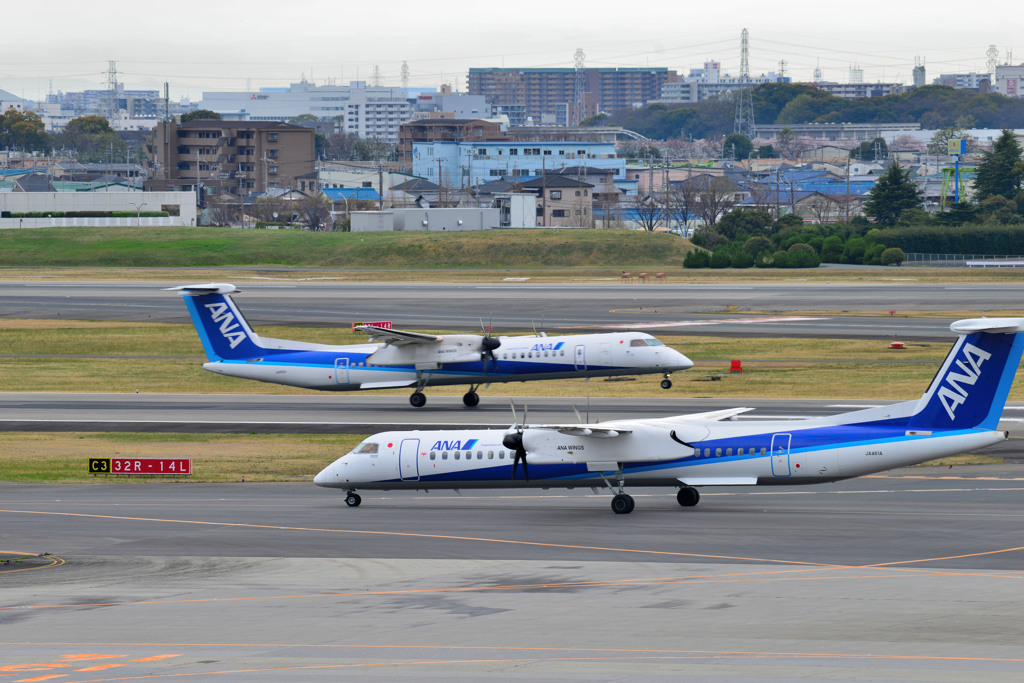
[914, 574]
[849, 309]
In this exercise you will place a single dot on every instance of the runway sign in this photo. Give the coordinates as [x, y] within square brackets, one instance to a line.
[140, 465]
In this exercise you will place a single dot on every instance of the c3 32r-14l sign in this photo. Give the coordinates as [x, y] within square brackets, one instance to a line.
[171, 466]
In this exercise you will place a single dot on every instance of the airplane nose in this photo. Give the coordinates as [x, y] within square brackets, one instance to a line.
[321, 478]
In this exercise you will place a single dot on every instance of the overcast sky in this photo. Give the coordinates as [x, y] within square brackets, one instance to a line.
[206, 45]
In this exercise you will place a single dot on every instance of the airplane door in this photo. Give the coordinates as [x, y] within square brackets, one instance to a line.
[408, 459]
[341, 370]
[580, 357]
[780, 455]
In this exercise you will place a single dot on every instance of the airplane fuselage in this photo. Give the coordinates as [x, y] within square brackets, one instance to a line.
[756, 453]
[519, 359]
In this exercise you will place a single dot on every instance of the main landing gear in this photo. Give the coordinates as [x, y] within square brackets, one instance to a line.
[419, 399]
[622, 503]
[687, 496]
[666, 383]
[353, 499]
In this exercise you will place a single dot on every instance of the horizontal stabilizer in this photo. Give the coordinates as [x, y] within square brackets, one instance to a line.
[209, 288]
[990, 325]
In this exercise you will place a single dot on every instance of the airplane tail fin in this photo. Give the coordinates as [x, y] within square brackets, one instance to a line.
[222, 329]
[971, 387]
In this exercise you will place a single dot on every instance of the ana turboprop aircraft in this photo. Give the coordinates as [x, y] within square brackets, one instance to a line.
[959, 412]
[396, 358]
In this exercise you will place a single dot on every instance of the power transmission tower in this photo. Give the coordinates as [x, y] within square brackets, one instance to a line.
[111, 89]
[578, 110]
[376, 76]
[405, 75]
[744, 100]
[993, 58]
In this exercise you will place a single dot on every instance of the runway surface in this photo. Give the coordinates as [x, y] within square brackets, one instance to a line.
[911, 575]
[760, 308]
[915, 574]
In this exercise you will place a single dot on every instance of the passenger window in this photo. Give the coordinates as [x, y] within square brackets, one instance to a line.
[456, 455]
[479, 455]
[739, 452]
[718, 452]
[707, 452]
[728, 451]
[433, 455]
[444, 455]
[501, 455]
[764, 450]
[490, 455]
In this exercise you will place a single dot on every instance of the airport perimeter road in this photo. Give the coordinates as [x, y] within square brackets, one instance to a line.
[908, 576]
[518, 306]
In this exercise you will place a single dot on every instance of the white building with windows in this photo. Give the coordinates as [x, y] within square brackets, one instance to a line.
[464, 164]
[1010, 80]
[369, 112]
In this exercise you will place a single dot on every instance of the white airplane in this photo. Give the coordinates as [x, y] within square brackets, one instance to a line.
[396, 358]
[959, 413]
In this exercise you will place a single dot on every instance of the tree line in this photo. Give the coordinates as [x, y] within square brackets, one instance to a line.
[933, 106]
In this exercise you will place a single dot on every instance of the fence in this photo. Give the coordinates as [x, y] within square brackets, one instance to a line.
[964, 261]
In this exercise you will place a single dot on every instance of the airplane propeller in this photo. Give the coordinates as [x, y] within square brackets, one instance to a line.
[488, 344]
[514, 442]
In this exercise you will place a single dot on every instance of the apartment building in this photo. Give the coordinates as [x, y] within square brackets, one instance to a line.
[459, 165]
[547, 96]
[440, 128]
[229, 157]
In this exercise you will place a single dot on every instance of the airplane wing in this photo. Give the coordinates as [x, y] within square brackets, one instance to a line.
[716, 415]
[398, 337]
[595, 431]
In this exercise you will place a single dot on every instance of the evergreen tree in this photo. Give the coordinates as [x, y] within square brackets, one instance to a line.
[1001, 170]
[893, 194]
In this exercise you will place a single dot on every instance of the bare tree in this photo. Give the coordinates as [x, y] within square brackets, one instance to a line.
[716, 195]
[646, 212]
[764, 197]
[223, 212]
[682, 204]
[315, 212]
[821, 208]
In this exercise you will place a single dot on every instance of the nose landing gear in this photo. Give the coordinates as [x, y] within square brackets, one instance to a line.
[666, 383]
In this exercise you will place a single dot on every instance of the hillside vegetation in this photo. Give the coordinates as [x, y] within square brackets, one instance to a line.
[199, 247]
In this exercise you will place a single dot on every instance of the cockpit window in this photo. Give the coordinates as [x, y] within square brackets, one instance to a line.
[368, 447]
[645, 342]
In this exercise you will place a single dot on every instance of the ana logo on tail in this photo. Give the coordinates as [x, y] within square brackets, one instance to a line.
[229, 327]
[953, 395]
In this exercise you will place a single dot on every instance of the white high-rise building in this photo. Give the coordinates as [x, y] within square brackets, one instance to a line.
[369, 112]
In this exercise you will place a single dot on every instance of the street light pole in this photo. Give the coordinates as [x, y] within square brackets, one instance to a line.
[138, 212]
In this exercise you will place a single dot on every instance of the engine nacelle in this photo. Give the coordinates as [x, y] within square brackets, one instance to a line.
[456, 348]
[546, 446]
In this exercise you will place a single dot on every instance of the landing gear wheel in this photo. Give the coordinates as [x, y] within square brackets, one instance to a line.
[418, 399]
[622, 504]
[471, 398]
[687, 496]
[353, 500]
[666, 383]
